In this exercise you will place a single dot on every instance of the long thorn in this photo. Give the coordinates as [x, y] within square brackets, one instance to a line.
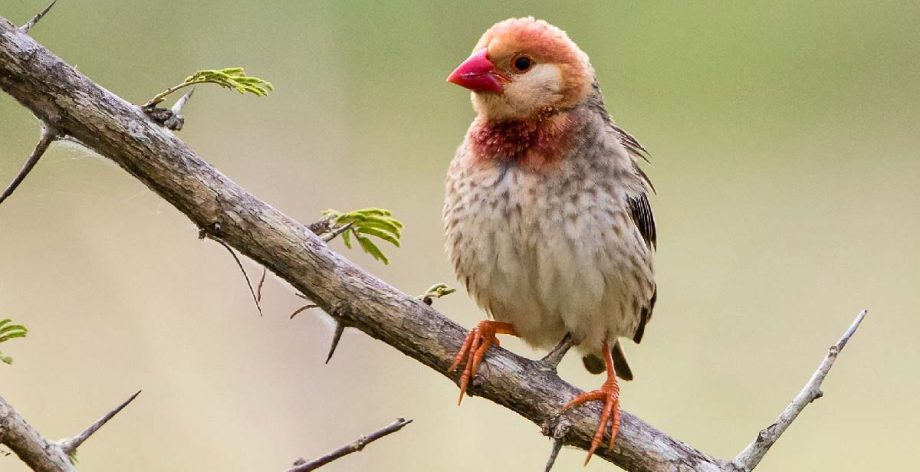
[49, 134]
[261, 283]
[26, 27]
[180, 103]
[71, 445]
[239, 264]
[336, 337]
[301, 309]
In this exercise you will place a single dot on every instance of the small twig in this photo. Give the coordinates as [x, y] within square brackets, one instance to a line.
[556, 431]
[335, 232]
[26, 27]
[754, 452]
[336, 337]
[49, 134]
[552, 360]
[70, 446]
[357, 445]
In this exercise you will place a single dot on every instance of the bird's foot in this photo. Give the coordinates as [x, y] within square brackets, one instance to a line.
[474, 348]
[609, 393]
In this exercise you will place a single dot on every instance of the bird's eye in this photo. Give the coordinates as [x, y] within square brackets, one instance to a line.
[522, 63]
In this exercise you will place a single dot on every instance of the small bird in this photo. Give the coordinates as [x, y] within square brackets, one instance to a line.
[546, 213]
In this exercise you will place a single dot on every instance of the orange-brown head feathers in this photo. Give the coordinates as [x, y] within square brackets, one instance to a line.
[522, 68]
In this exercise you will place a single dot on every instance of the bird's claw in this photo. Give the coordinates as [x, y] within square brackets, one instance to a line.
[609, 393]
[474, 349]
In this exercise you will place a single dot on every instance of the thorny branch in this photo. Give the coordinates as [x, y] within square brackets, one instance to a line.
[354, 446]
[37, 452]
[63, 98]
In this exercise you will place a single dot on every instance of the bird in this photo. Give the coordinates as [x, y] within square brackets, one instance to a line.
[546, 216]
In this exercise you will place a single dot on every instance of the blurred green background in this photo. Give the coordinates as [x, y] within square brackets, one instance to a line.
[785, 147]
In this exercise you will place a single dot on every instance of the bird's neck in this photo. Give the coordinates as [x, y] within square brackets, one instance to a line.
[534, 143]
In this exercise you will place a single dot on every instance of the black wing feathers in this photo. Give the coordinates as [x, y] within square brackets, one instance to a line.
[641, 213]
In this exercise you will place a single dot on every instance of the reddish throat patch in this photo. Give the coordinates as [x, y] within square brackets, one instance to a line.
[534, 143]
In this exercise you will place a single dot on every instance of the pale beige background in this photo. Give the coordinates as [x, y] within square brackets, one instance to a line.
[785, 150]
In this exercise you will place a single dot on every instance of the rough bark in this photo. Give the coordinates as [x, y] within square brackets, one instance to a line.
[38, 453]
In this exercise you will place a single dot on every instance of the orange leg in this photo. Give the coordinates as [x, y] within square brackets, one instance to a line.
[474, 348]
[609, 393]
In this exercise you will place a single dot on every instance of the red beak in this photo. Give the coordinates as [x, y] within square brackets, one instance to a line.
[477, 74]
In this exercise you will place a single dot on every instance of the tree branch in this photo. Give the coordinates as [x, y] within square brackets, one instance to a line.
[751, 455]
[354, 446]
[60, 96]
[38, 453]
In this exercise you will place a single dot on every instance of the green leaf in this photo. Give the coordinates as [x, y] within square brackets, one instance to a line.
[439, 290]
[10, 331]
[371, 248]
[376, 222]
[390, 238]
[231, 78]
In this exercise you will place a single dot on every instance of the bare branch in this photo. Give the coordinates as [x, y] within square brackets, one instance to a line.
[355, 446]
[38, 453]
[70, 446]
[49, 134]
[751, 455]
[28, 26]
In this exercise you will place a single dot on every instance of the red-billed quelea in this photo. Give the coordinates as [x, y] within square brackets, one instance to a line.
[546, 212]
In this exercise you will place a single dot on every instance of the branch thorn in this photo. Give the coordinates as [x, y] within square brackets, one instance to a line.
[48, 136]
[26, 27]
[70, 446]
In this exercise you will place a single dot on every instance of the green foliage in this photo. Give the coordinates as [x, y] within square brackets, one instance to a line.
[10, 331]
[232, 78]
[361, 224]
[438, 291]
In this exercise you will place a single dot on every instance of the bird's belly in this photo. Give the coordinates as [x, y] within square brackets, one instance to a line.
[543, 254]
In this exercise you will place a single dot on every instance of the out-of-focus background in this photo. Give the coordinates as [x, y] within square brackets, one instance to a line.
[785, 152]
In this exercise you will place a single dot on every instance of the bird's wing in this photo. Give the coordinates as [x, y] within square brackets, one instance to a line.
[641, 213]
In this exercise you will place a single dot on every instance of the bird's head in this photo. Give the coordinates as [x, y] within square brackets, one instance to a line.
[522, 68]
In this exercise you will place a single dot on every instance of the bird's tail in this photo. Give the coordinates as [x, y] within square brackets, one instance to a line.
[595, 364]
